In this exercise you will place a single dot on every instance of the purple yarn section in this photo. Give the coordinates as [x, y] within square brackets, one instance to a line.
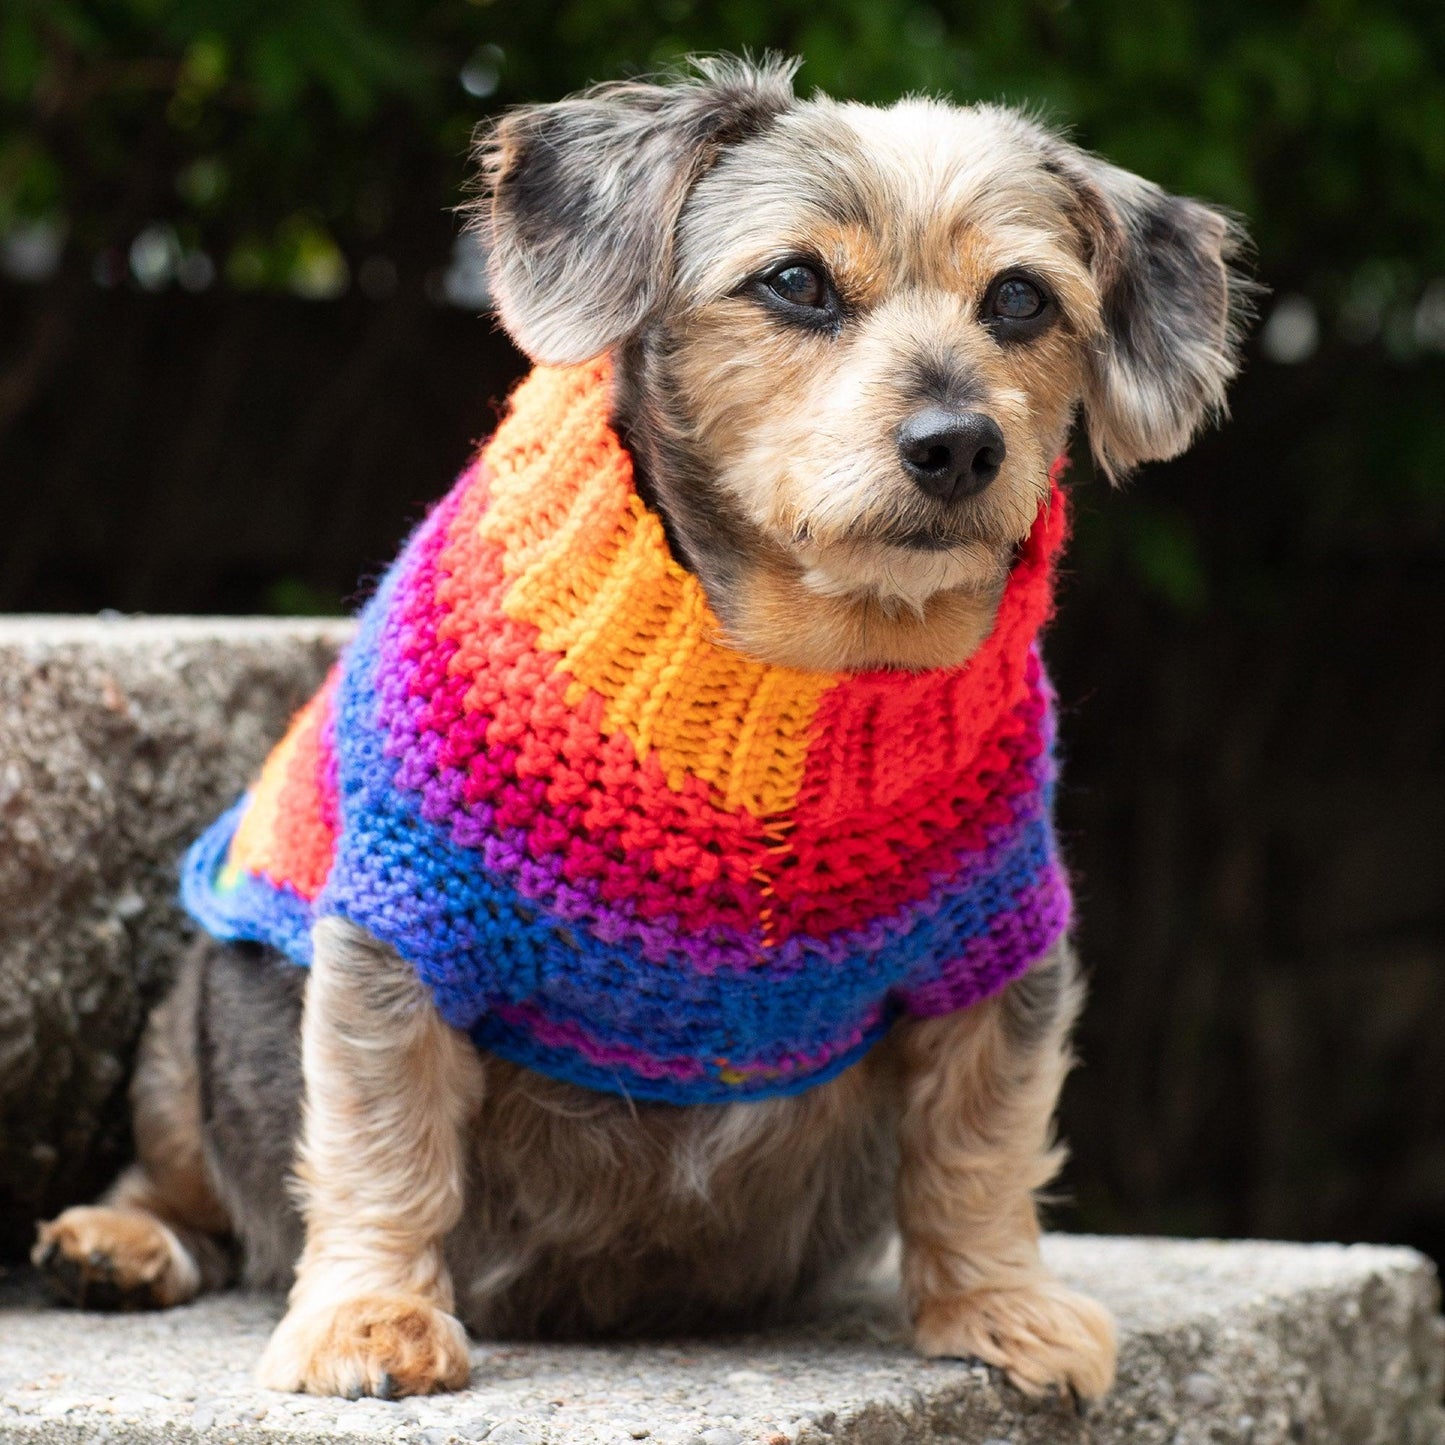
[1039, 916]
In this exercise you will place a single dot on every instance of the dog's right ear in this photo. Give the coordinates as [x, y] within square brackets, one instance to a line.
[1172, 303]
[581, 198]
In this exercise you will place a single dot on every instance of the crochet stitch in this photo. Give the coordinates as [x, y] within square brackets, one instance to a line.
[615, 849]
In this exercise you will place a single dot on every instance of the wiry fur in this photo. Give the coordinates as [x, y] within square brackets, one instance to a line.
[433, 1184]
[976, 1147]
[770, 452]
[1173, 309]
[584, 194]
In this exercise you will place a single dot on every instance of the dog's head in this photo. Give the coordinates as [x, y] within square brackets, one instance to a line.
[849, 341]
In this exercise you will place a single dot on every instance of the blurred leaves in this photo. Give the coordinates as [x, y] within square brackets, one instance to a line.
[289, 147]
[1324, 123]
[296, 597]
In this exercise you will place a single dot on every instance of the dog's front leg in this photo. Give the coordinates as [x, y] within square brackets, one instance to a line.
[977, 1143]
[381, 1167]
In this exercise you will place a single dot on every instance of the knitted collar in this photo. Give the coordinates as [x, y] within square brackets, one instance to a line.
[589, 567]
[618, 850]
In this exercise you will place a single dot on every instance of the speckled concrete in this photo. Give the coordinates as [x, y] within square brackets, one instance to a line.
[1257, 1344]
[120, 739]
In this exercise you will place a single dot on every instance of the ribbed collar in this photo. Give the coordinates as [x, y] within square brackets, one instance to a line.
[587, 563]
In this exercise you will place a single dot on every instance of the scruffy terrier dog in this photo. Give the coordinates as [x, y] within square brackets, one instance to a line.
[842, 347]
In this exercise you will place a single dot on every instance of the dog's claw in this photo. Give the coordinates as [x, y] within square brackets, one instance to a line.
[385, 1387]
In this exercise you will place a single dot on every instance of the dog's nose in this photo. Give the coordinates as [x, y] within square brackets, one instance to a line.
[951, 454]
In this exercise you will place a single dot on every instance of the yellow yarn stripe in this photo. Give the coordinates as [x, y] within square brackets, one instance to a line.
[591, 570]
[252, 848]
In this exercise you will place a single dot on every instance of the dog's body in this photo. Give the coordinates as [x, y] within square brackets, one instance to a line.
[579, 1213]
[848, 343]
[583, 1213]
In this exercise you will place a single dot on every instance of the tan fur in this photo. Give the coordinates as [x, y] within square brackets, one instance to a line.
[788, 622]
[598, 1215]
[387, 1345]
[801, 427]
[124, 1251]
[166, 1108]
[381, 1173]
[383, 1344]
[976, 1146]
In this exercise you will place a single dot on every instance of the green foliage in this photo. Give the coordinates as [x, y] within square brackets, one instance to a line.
[295, 597]
[284, 143]
[1324, 123]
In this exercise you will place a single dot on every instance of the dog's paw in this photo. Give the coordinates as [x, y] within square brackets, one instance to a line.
[386, 1345]
[1041, 1335]
[114, 1259]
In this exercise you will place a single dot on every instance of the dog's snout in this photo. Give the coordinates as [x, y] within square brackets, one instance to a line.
[951, 454]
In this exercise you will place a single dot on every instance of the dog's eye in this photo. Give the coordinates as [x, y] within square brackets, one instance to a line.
[1016, 307]
[1018, 300]
[799, 293]
[799, 286]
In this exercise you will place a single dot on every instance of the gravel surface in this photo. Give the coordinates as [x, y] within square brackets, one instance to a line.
[1259, 1344]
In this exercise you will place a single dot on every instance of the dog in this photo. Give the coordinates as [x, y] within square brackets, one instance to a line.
[839, 347]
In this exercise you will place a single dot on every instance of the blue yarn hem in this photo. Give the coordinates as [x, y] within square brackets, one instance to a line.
[571, 1068]
[250, 911]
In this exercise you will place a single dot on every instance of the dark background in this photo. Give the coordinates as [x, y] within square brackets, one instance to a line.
[239, 353]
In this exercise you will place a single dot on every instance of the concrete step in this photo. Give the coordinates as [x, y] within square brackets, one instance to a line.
[1255, 1344]
[120, 739]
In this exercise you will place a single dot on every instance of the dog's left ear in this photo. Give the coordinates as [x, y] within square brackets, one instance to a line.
[582, 197]
[1171, 309]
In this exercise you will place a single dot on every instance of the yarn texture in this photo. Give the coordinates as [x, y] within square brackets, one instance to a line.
[615, 849]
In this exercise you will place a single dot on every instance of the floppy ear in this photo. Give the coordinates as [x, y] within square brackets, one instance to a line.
[1171, 308]
[581, 198]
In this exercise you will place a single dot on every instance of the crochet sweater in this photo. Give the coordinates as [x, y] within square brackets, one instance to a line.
[618, 851]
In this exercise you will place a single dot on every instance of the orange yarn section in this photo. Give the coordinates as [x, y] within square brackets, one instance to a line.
[589, 567]
[286, 834]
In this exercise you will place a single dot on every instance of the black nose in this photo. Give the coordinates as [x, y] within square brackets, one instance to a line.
[951, 454]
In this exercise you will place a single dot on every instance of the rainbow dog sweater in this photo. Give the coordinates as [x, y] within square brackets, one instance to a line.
[618, 851]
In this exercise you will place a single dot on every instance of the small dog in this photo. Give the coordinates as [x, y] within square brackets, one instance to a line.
[843, 346]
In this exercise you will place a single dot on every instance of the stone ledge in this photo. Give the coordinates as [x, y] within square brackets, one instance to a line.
[119, 740]
[1257, 1344]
